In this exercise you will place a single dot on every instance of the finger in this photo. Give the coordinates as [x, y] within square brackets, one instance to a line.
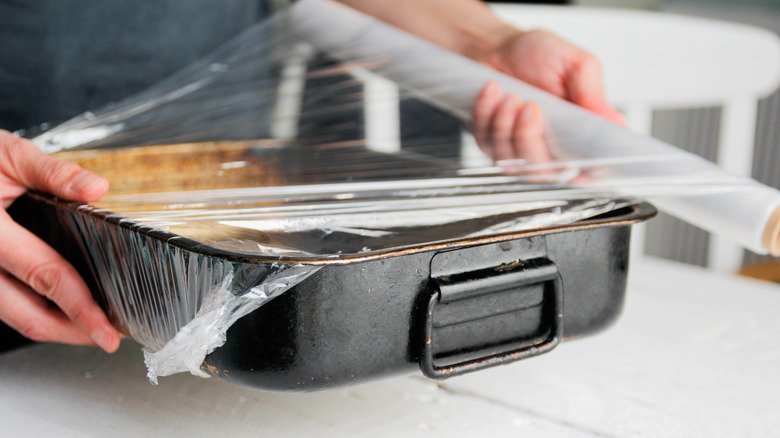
[585, 87]
[530, 144]
[34, 263]
[484, 108]
[584, 81]
[528, 135]
[23, 162]
[502, 128]
[605, 110]
[29, 314]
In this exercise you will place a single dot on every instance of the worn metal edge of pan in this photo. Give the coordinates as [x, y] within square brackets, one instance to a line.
[639, 212]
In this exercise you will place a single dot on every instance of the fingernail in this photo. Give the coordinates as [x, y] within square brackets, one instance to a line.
[528, 112]
[85, 181]
[104, 339]
[510, 101]
[492, 89]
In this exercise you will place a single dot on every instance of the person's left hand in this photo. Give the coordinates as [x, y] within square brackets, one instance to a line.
[42, 296]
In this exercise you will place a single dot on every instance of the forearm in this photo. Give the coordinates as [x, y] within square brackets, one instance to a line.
[467, 27]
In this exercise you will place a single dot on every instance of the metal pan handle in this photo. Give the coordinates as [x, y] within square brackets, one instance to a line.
[496, 316]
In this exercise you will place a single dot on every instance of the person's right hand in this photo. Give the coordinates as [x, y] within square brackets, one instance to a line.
[41, 294]
[511, 130]
[507, 128]
[555, 65]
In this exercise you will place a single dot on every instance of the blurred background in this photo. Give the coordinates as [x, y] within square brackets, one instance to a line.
[702, 139]
[699, 128]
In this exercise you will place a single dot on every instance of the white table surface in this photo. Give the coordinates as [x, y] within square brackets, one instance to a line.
[694, 354]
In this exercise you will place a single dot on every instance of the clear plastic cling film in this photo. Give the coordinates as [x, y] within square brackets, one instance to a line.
[174, 301]
[322, 134]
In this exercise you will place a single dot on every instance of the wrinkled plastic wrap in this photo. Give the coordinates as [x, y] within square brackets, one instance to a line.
[285, 151]
[177, 302]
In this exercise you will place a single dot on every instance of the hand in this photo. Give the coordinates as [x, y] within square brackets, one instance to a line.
[507, 128]
[551, 63]
[32, 274]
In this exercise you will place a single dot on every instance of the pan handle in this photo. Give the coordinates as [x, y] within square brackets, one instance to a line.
[496, 316]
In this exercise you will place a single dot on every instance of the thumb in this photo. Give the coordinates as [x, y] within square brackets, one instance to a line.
[22, 161]
[605, 110]
[585, 87]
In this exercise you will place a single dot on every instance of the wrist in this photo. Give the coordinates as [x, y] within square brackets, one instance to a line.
[489, 48]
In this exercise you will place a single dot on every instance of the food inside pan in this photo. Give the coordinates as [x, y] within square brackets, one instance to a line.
[274, 198]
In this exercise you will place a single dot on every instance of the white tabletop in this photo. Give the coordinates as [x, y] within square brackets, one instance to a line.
[694, 354]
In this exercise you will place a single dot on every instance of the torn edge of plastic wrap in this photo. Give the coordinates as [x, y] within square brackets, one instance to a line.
[177, 303]
[219, 310]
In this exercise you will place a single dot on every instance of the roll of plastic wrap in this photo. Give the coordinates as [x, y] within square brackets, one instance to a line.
[738, 208]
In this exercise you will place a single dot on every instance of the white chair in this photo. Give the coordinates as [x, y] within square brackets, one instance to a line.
[654, 60]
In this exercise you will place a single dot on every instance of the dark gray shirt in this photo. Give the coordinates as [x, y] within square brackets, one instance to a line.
[59, 58]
